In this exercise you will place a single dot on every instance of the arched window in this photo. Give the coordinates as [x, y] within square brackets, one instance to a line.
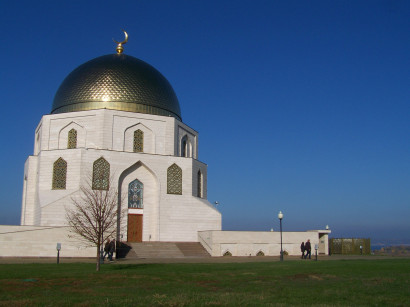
[199, 188]
[72, 139]
[59, 174]
[184, 146]
[138, 141]
[135, 193]
[174, 180]
[101, 174]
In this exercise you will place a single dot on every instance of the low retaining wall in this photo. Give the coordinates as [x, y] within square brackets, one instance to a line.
[250, 243]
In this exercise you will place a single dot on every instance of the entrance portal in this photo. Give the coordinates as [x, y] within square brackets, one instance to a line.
[134, 233]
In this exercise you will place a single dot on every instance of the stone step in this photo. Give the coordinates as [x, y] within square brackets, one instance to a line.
[192, 249]
[156, 250]
[165, 250]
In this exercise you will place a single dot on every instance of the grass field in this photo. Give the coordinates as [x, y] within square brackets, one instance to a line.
[322, 283]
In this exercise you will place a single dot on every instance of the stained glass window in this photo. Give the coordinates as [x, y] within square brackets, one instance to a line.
[59, 174]
[174, 176]
[135, 192]
[72, 139]
[101, 174]
[199, 189]
[138, 141]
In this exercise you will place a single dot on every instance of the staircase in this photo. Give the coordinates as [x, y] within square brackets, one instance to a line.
[166, 250]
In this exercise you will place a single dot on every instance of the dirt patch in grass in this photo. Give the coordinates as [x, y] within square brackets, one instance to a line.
[78, 290]
[136, 277]
[318, 277]
[17, 302]
[248, 273]
[378, 281]
[207, 284]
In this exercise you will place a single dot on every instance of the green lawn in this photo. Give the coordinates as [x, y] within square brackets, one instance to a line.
[322, 283]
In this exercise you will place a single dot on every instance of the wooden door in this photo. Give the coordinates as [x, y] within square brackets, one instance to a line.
[134, 228]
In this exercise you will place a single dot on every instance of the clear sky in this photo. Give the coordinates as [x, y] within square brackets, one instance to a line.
[301, 106]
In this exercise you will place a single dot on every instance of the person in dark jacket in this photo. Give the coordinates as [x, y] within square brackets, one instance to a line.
[106, 249]
[112, 249]
[308, 249]
[302, 249]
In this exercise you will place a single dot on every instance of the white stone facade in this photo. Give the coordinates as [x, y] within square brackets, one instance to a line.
[110, 134]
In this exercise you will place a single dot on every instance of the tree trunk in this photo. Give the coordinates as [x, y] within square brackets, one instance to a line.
[98, 257]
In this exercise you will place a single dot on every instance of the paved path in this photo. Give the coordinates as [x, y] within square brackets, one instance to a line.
[9, 260]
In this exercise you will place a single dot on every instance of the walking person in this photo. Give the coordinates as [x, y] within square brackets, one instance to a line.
[302, 249]
[106, 249]
[308, 248]
[112, 249]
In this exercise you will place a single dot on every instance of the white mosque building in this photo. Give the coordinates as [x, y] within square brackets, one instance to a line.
[116, 120]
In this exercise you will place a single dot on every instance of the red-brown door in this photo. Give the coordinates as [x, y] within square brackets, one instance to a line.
[134, 228]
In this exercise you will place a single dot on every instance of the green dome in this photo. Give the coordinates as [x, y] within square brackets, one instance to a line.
[117, 82]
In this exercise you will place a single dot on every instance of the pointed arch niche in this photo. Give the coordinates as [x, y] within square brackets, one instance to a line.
[187, 145]
[200, 184]
[149, 213]
[140, 131]
[66, 136]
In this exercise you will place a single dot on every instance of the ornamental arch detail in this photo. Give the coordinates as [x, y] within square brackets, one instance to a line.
[73, 135]
[135, 138]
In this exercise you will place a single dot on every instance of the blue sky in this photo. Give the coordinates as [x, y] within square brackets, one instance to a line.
[301, 106]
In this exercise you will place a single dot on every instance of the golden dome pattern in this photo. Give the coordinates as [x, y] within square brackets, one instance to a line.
[117, 82]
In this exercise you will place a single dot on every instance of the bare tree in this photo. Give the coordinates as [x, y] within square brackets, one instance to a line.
[93, 214]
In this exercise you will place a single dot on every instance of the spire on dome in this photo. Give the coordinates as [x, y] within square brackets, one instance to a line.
[120, 48]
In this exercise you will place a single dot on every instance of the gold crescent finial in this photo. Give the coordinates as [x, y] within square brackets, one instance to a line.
[120, 48]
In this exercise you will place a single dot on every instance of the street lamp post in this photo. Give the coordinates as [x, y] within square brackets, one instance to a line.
[58, 252]
[280, 217]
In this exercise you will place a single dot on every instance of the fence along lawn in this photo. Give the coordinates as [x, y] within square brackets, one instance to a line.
[336, 283]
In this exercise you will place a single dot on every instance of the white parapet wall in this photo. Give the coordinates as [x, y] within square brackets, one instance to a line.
[41, 241]
[250, 243]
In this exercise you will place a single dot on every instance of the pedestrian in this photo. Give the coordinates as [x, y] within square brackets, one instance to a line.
[302, 249]
[308, 249]
[112, 249]
[107, 249]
